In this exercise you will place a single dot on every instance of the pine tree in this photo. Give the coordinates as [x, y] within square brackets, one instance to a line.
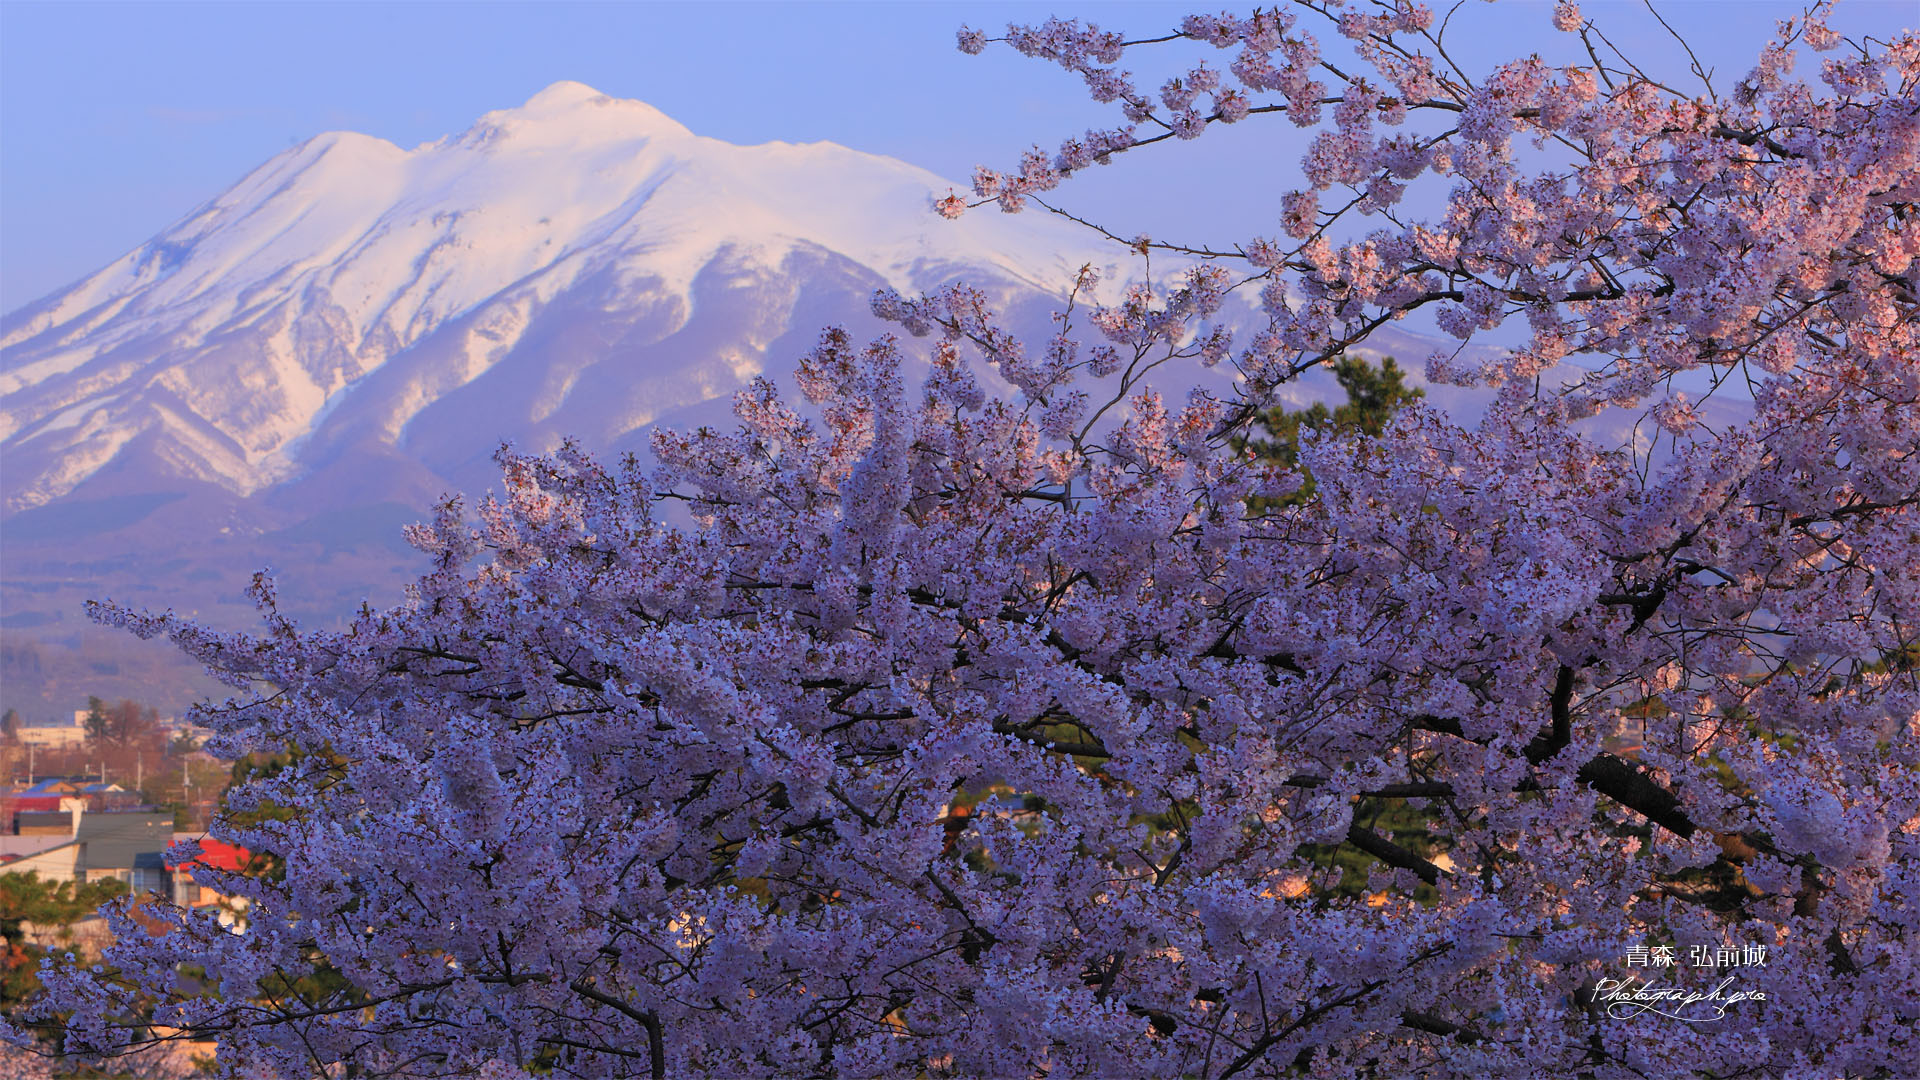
[1374, 394]
[27, 898]
[96, 720]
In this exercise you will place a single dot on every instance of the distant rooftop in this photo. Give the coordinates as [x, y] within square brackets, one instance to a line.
[19, 847]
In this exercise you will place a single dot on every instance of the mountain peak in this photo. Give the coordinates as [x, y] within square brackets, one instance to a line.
[347, 293]
[566, 94]
[569, 98]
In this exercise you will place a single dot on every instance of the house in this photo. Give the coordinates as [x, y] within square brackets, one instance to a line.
[216, 854]
[62, 795]
[54, 858]
[48, 806]
[70, 785]
[127, 845]
[12, 806]
[52, 787]
[74, 844]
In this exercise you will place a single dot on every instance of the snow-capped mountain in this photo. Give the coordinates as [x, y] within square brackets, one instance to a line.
[309, 361]
[579, 265]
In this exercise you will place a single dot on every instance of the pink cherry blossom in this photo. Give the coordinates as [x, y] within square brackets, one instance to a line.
[998, 722]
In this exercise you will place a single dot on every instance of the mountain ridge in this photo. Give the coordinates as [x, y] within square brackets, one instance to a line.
[339, 255]
[283, 376]
[301, 364]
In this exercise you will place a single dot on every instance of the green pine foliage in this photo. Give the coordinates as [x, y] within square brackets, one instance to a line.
[1374, 394]
[29, 898]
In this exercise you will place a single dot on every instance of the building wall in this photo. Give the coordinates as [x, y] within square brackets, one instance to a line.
[44, 822]
[54, 735]
[55, 864]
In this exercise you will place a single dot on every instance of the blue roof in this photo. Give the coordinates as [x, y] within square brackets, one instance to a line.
[40, 788]
[90, 787]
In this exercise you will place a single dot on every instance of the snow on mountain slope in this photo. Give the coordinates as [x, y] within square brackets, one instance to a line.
[307, 362]
[577, 265]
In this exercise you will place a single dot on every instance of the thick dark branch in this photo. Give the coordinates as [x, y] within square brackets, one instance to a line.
[1637, 791]
[1862, 506]
[1751, 138]
[1392, 854]
[1643, 604]
[1613, 777]
[1445, 725]
[1429, 789]
[1091, 748]
[647, 1018]
[1427, 1022]
[1226, 651]
[1555, 739]
[977, 939]
[1161, 875]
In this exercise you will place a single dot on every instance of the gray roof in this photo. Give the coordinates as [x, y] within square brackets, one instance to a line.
[125, 841]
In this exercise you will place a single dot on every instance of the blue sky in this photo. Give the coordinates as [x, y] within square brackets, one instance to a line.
[118, 118]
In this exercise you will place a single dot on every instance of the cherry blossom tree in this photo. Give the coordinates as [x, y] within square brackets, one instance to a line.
[927, 730]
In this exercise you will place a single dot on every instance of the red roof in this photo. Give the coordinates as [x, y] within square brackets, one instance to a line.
[222, 856]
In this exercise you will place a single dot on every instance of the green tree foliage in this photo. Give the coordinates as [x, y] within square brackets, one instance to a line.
[1374, 394]
[261, 765]
[28, 898]
[96, 720]
[322, 985]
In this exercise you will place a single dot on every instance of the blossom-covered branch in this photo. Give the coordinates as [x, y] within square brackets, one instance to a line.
[922, 731]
